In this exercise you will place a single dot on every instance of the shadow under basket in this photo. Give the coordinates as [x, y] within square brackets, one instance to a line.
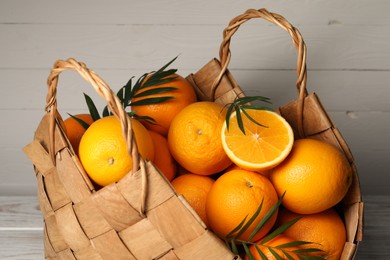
[141, 216]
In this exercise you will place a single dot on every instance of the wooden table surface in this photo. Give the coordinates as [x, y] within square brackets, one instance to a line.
[21, 228]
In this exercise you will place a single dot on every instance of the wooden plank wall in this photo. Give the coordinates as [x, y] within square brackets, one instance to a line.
[348, 63]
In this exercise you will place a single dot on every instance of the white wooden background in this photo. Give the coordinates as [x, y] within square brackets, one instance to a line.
[348, 63]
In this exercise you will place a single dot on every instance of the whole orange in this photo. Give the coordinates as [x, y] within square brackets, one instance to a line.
[162, 156]
[74, 130]
[164, 112]
[279, 245]
[195, 189]
[237, 194]
[103, 151]
[316, 176]
[194, 138]
[326, 231]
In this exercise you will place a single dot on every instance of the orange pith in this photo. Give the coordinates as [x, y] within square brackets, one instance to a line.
[261, 147]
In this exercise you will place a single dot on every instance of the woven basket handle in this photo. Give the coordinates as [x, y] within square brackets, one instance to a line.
[225, 54]
[102, 89]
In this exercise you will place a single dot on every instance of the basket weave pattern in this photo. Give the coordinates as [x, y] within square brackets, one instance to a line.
[306, 115]
[141, 216]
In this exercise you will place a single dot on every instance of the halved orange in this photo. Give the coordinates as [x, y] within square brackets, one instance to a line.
[263, 146]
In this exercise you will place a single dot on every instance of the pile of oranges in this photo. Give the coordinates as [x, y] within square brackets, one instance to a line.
[226, 174]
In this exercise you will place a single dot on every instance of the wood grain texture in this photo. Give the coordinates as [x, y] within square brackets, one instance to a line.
[189, 12]
[348, 63]
[258, 45]
[21, 234]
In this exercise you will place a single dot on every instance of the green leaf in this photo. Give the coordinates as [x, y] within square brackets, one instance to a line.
[120, 94]
[228, 245]
[228, 114]
[256, 107]
[166, 65]
[279, 230]
[237, 228]
[106, 112]
[150, 101]
[308, 250]
[289, 257]
[250, 221]
[234, 247]
[244, 100]
[128, 94]
[154, 91]
[144, 118]
[137, 85]
[248, 252]
[159, 78]
[239, 105]
[80, 121]
[275, 254]
[311, 257]
[251, 118]
[92, 108]
[266, 218]
[294, 243]
[262, 255]
[239, 119]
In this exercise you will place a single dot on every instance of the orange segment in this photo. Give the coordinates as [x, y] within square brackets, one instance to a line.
[261, 147]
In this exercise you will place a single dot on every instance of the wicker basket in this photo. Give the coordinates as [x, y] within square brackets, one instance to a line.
[306, 115]
[141, 216]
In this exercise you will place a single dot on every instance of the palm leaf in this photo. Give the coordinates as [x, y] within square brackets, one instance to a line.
[150, 101]
[251, 118]
[240, 104]
[154, 91]
[250, 221]
[245, 100]
[84, 124]
[92, 108]
[239, 119]
[248, 252]
[262, 255]
[234, 247]
[275, 254]
[267, 217]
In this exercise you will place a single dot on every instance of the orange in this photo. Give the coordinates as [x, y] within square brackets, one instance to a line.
[326, 231]
[276, 242]
[103, 151]
[315, 176]
[194, 138]
[261, 147]
[74, 130]
[162, 156]
[163, 113]
[238, 194]
[194, 188]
